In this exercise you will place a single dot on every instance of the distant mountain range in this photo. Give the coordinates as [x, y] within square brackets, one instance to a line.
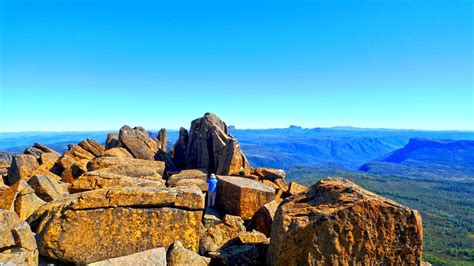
[280, 148]
[426, 158]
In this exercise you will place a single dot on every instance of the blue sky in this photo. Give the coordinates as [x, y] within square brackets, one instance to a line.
[93, 65]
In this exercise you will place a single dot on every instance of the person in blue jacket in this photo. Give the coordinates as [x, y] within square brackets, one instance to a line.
[211, 190]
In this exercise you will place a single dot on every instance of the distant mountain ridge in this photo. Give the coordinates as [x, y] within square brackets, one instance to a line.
[427, 157]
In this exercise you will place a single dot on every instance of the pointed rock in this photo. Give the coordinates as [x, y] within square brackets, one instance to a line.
[211, 147]
[162, 140]
[180, 149]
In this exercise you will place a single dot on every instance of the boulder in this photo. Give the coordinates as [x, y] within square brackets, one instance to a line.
[192, 182]
[180, 149]
[296, 188]
[242, 255]
[270, 173]
[217, 236]
[99, 179]
[138, 142]
[155, 256]
[20, 197]
[262, 220]
[33, 151]
[281, 184]
[129, 167]
[112, 141]
[211, 218]
[45, 149]
[92, 147]
[77, 152]
[22, 168]
[242, 196]
[118, 221]
[117, 152]
[48, 160]
[27, 202]
[336, 222]
[253, 237]
[210, 146]
[17, 242]
[162, 140]
[4, 165]
[48, 189]
[187, 174]
[178, 255]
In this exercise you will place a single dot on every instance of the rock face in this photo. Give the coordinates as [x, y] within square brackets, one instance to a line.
[17, 242]
[337, 222]
[119, 221]
[211, 147]
[155, 256]
[178, 255]
[241, 196]
[138, 142]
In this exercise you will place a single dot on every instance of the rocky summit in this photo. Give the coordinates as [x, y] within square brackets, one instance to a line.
[135, 200]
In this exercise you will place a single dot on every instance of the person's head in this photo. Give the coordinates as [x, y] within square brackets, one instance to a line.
[212, 176]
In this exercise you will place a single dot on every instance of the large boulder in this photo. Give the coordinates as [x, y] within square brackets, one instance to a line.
[155, 256]
[128, 167]
[241, 196]
[118, 221]
[210, 146]
[138, 142]
[336, 223]
[178, 255]
[17, 242]
[218, 235]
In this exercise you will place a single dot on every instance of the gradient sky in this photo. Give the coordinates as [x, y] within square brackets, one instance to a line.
[93, 65]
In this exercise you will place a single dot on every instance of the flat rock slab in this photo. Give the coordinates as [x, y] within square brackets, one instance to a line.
[242, 196]
[118, 221]
[156, 256]
[128, 167]
[337, 222]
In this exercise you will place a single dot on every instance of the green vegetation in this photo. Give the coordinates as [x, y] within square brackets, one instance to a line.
[447, 208]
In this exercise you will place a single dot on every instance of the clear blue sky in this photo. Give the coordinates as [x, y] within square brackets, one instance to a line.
[92, 65]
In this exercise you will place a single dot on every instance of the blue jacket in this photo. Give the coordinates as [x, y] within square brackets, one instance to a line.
[212, 184]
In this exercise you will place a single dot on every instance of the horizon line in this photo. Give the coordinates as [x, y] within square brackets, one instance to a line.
[274, 128]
